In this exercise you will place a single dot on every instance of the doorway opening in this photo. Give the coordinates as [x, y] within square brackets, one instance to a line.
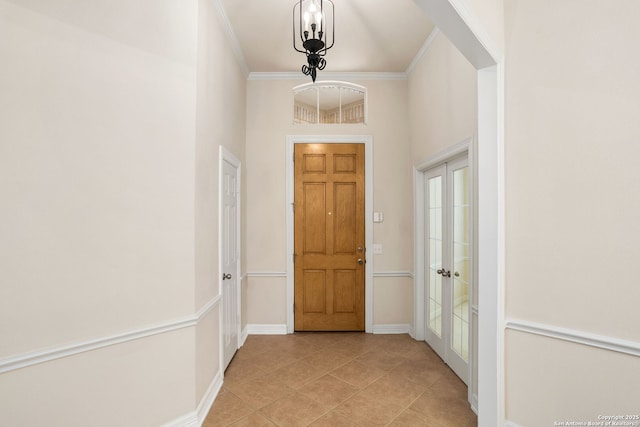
[446, 297]
[367, 142]
[229, 254]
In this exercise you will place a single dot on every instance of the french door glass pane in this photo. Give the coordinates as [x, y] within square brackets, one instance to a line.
[435, 254]
[460, 291]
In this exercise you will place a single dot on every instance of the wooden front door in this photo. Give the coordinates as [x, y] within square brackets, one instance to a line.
[329, 237]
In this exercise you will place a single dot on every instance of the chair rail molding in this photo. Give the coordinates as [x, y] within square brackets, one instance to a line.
[41, 356]
[572, 335]
[393, 273]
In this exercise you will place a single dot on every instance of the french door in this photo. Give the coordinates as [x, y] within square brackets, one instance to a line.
[448, 267]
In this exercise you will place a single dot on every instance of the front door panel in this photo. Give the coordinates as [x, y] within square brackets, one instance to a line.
[329, 237]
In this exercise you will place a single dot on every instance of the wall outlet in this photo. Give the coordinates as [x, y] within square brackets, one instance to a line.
[377, 248]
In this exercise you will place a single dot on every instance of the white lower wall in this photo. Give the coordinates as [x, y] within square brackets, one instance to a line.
[266, 299]
[393, 299]
[207, 354]
[549, 379]
[128, 384]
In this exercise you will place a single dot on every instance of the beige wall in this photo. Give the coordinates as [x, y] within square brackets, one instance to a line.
[112, 113]
[490, 15]
[96, 137]
[443, 112]
[572, 129]
[442, 100]
[269, 121]
[220, 121]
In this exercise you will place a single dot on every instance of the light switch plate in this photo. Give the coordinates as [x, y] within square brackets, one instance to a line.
[378, 217]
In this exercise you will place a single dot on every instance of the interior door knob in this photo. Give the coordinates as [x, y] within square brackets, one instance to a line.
[360, 261]
[226, 276]
[445, 273]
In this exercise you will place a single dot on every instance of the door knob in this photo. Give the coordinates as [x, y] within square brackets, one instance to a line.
[445, 273]
[360, 261]
[226, 276]
[456, 274]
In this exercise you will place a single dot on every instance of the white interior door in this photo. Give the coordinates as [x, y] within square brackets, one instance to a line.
[448, 267]
[229, 255]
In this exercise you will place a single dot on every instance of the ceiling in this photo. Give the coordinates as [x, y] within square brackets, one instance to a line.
[370, 35]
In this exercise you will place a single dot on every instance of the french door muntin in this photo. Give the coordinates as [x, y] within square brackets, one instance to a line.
[447, 266]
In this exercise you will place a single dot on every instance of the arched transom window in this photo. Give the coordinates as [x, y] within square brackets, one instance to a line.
[329, 102]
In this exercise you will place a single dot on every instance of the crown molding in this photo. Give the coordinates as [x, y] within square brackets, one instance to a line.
[423, 50]
[393, 273]
[235, 44]
[266, 274]
[329, 76]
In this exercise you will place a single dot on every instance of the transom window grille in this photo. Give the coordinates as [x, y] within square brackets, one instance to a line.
[328, 102]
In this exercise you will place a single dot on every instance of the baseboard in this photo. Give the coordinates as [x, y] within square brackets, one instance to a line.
[266, 329]
[474, 403]
[278, 329]
[243, 336]
[188, 420]
[209, 397]
[511, 424]
[402, 328]
[196, 418]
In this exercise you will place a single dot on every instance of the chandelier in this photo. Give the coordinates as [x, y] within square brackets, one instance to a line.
[310, 25]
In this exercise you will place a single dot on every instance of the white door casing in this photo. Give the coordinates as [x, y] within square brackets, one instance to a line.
[229, 254]
[367, 140]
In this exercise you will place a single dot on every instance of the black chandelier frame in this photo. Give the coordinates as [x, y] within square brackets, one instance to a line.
[313, 44]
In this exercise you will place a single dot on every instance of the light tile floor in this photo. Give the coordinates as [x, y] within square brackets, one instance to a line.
[339, 379]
